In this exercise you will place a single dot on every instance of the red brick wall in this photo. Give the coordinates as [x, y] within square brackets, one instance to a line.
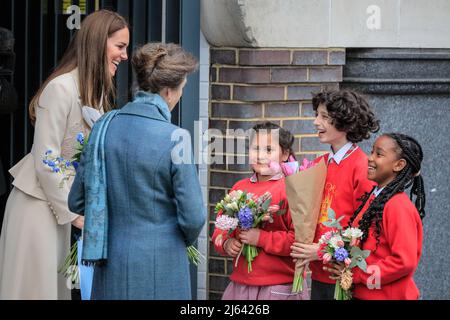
[251, 85]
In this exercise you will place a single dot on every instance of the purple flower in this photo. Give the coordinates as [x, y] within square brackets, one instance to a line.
[75, 164]
[245, 217]
[80, 138]
[51, 163]
[340, 254]
[56, 169]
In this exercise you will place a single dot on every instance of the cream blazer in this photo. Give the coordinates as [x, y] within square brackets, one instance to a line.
[58, 121]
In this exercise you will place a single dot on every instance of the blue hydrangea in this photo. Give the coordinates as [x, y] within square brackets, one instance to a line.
[340, 254]
[245, 217]
[80, 138]
[51, 163]
[56, 169]
[75, 164]
[45, 161]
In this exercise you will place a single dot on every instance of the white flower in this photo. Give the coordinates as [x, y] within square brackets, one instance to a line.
[225, 222]
[235, 194]
[353, 233]
[334, 241]
[232, 206]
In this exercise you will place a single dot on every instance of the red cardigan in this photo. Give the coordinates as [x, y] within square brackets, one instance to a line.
[344, 185]
[397, 256]
[273, 265]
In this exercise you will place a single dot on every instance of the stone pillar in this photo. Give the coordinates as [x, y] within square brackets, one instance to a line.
[409, 90]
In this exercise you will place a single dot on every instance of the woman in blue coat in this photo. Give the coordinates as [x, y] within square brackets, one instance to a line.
[139, 193]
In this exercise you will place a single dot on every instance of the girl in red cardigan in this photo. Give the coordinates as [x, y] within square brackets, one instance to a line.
[391, 223]
[273, 269]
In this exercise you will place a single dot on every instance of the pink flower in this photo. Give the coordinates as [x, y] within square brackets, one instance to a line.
[306, 164]
[327, 258]
[272, 169]
[354, 242]
[340, 244]
[328, 235]
[347, 261]
[287, 169]
[320, 252]
[274, 208]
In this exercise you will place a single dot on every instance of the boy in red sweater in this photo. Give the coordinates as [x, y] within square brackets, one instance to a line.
[343, 118]
[273, 269]
[390, 222]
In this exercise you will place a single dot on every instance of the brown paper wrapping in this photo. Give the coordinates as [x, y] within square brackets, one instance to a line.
[304, 192]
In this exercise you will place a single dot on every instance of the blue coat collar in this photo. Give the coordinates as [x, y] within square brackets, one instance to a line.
[148, 105]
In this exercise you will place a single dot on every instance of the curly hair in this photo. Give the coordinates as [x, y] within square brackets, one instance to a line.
[409, 149]
[349, 112]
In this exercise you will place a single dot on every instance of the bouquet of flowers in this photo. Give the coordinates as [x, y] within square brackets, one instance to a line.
[242, 210]
[304, 188]
[65, 167]
[342, 246]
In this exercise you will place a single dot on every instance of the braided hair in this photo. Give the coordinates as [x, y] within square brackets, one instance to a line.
[410, 150]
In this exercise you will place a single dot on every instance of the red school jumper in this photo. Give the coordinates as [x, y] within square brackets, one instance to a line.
[397, 256]
[273, 265]
[345, 183]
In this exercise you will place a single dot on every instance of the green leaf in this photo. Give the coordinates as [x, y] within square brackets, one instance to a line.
[230, 212]
[362, 265]
[356, 252]
[328, 224]
[281, 203]
[331, 214]
[265, 206]
[365, 253]
[281, 212]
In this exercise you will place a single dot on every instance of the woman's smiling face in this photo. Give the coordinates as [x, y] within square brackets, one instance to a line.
[116, 49]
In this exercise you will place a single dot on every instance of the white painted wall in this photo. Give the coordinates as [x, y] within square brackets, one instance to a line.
[203, 168]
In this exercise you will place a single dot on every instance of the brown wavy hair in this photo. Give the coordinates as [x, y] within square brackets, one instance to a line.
[87, 52]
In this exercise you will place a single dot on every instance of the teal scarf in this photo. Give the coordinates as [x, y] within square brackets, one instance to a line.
[95, 231]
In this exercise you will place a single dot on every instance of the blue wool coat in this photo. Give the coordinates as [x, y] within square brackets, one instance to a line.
[155, 206]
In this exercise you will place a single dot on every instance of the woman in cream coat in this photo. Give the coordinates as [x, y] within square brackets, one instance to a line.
[35, 236]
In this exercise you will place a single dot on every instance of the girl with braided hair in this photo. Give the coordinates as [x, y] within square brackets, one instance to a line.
[390, 221]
